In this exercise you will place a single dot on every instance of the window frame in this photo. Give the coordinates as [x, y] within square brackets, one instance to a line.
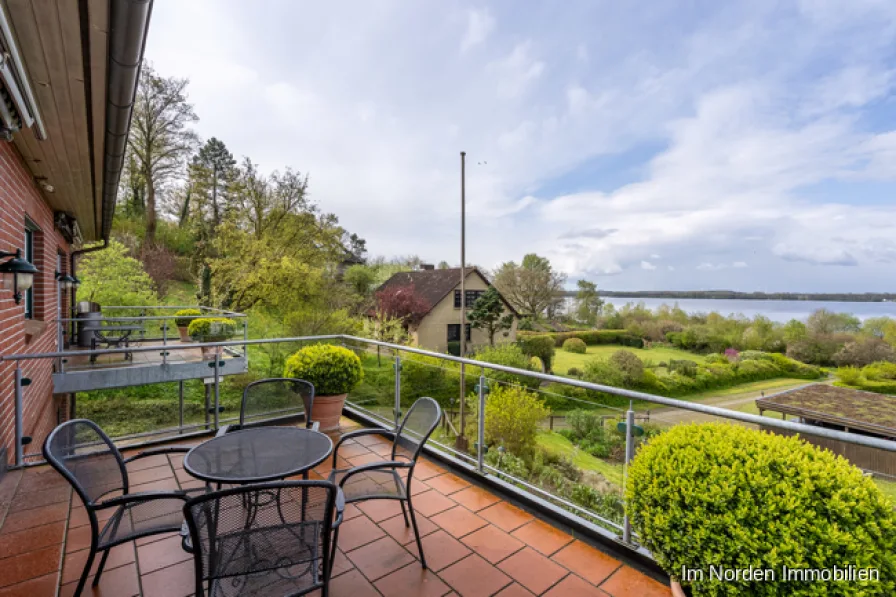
[28, 254]
[472, 297]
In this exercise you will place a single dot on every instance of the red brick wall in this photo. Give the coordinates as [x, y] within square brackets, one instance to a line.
[20, 199]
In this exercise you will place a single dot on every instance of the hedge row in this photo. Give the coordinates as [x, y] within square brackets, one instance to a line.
[590, 337]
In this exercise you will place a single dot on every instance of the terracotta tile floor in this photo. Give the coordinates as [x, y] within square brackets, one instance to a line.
[476, 544]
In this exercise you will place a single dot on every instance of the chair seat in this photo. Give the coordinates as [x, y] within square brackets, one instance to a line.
[142, 518]
[386, 483]
[263, 552]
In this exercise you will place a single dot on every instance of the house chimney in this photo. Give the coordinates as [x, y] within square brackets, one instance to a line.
[427, 266]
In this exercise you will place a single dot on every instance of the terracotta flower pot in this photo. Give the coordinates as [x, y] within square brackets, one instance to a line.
[210, 353]
[184, 336]
[677, 591]
[327, 410]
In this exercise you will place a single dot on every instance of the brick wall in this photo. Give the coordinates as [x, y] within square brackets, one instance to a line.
[20, 199]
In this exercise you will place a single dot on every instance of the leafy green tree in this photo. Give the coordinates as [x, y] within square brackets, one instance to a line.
[823, 321]
[360, 278]
[213, 174]
[588, 303]
[795, 330]
[532, 286]
[161, 138]
[113, 277]
[488, 313]
[443, 265]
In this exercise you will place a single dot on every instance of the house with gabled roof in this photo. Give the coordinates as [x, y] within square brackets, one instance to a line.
[439, 328]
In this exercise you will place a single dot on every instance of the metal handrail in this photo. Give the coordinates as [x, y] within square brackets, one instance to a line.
[873, 442]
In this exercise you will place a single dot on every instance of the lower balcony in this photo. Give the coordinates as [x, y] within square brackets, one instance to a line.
[477, 542]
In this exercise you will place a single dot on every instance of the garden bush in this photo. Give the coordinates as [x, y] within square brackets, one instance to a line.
[689, 368]
[727, 496]
[575, 345]
[630, 366]
[211, 329]
[876, 377]
[864, 352]
[508, 355]
[512, 416]
[541, 347]
[590, 337]
[331, 369]
[574, 372]
[185, 317]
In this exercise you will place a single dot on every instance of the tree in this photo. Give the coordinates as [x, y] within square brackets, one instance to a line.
[212, 174]
[588, 303]
[402, 302]
[160, 140]
[360, 278]
[443, 265]
[864, 352]
[512, 416]
[113, 277]
[824, 322]
[488, 314]
[532, 286]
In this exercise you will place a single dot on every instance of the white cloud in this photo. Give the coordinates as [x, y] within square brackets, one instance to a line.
[647, 265]
[711, 267]
[739, 264]
[737, 134]
[480, 24]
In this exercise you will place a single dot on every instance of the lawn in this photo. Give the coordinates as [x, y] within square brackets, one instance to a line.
[564, 360]
[558, 445]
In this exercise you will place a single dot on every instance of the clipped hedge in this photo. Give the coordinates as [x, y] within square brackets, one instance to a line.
[590, 337]
[575, 345]
[331, 369]
[185, 317]
[212, 329]
[727, 496]
[539, 346]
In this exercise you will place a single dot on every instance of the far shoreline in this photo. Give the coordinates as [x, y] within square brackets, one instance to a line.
[867, 297]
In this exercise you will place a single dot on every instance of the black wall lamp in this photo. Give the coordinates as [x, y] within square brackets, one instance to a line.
[66, 281]
[21, 271]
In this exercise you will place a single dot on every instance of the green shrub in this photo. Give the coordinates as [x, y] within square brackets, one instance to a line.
[184, 317]
[508, 355]
[850, 376]
[331, 369]
[525, 325]
[630, 366]
[575, 345]
[512, 416]
[689, 368]
[589, 337]
[211, 329]
[541, 347]
[574, 372]
[727, 496]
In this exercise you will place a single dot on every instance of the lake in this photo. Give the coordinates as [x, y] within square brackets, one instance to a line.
[775, 310]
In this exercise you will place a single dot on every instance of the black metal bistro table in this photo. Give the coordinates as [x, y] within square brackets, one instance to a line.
[257, 455]
[254, 456]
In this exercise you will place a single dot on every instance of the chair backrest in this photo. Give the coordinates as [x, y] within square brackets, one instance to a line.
[87, 458]
[248, 536]
[418, 424]
[277, 397]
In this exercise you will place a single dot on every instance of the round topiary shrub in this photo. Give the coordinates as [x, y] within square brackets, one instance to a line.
[575, 345]
[724, 496]
[574, 372]
[185, 317]
[212, 329]
[331, 369]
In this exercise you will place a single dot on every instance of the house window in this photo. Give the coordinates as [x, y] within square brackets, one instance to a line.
[454, 332]
[472, 297]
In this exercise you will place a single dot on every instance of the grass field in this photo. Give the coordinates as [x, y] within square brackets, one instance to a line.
[558, 445]
[564, 360]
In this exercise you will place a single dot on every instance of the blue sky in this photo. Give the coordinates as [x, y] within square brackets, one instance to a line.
[661, 145]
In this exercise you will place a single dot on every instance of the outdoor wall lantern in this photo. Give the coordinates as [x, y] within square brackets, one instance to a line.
[22, 274]
[65, 281]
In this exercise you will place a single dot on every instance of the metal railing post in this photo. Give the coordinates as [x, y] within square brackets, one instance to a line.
[217, 388]
[629, 454]
[480, 446]
[245, 336]
[165, 352]
[180, 422]
[397, 409]
[20, 451]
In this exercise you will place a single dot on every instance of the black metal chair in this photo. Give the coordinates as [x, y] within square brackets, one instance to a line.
[266, 539]
[275, 397]
[91, 463]
[381, 480]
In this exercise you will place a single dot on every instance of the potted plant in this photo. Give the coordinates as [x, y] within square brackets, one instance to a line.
[334, 371]
[183, 319]
[211, 329]
[734, 499]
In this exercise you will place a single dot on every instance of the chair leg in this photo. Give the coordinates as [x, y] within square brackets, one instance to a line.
[85, 573]
[404, 511]
[99, 570]
[416, 532]
[332, 555]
